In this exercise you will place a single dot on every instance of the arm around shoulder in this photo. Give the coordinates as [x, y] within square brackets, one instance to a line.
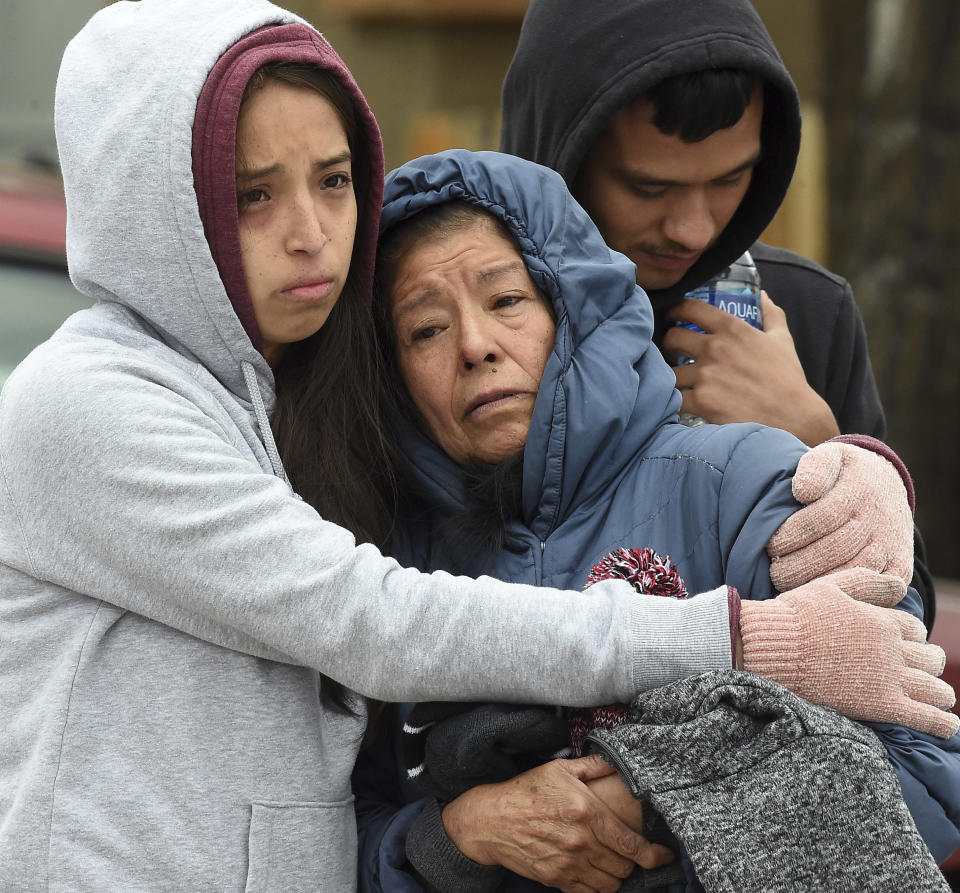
[128, 482]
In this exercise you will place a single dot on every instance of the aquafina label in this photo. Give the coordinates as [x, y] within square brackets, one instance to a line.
[735, 290]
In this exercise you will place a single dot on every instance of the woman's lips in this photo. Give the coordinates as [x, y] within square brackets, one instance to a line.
[491, 402]
[309, 291]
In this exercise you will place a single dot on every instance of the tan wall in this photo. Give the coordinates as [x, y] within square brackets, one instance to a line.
[434, 82]
[802, 221]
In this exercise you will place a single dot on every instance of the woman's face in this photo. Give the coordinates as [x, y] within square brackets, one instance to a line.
[473, 335]
[297, 210]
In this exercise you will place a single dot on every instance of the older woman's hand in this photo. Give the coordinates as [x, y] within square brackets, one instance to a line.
[612, 791]
[546, 824]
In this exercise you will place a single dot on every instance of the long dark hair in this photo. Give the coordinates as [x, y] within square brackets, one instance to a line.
[327, 419]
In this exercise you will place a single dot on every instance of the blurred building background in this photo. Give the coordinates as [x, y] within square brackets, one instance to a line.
[875, 196]
[33, 34]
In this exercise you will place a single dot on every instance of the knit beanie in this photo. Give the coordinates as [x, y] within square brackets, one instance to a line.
[214, 153]
[648, 573]
[769, 793]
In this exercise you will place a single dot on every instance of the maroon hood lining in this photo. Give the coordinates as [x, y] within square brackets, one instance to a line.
[214, 153]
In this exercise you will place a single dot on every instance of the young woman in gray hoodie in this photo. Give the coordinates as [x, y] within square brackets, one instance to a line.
[175, 597]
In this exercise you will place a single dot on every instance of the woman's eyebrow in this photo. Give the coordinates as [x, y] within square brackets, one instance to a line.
[513, 266]
[244, 175]
[413, 304]
[430, 293]
[333, 160]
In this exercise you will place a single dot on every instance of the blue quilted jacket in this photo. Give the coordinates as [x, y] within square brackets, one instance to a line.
[606, 465]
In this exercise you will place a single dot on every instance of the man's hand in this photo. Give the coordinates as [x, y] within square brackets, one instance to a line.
[546, 824]
[742, 374]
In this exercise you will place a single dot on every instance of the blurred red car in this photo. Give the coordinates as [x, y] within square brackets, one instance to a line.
[946, 634]
[35, 292]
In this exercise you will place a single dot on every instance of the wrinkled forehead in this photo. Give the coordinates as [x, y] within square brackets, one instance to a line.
[471, 257]
[432, 233]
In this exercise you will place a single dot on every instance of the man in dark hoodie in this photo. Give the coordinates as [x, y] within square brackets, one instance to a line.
[677, 126]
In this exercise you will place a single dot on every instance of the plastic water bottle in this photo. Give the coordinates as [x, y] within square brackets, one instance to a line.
[735, 290]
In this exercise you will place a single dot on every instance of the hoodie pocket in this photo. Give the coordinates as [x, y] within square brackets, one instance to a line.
[297, 847]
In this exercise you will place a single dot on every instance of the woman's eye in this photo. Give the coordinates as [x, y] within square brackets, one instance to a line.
[337, 181]
[506, 301]
[251, 197]
[426, 333]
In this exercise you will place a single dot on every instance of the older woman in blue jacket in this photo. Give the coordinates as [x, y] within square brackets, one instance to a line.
[568, 450]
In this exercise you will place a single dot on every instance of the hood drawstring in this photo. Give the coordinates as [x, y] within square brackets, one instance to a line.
[263, 423]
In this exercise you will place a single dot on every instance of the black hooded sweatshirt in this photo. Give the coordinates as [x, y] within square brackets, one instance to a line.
[577, 64]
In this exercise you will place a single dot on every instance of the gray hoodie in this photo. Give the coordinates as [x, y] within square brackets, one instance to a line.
[167, 603]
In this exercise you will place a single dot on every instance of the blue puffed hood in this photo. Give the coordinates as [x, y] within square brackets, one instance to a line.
[603, 358]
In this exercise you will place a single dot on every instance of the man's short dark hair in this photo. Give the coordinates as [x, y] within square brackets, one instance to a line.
[696, 104]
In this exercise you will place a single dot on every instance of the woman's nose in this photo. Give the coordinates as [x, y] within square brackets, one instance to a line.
[477, 344]
[305, 228]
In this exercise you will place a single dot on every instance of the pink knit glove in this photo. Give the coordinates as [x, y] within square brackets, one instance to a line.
[865, 585]
[857, 514]
[867, 662]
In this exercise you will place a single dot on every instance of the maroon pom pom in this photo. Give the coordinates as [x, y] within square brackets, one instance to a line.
[644, 569]
[650, 574]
